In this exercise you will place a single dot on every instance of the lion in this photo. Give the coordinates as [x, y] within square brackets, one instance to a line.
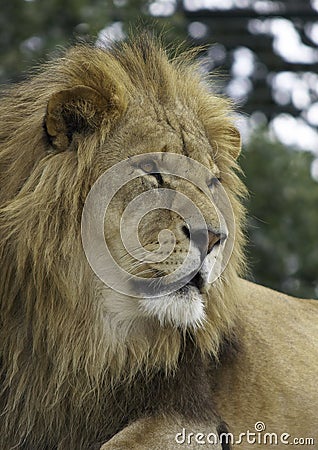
[85, 365]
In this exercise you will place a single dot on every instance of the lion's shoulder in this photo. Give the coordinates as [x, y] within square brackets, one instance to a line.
[275, 316]
[267, 300]
[275, 371]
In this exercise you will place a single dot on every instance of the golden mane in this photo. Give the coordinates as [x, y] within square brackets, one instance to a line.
[58, 368]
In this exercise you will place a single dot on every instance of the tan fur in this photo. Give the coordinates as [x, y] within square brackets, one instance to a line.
[274, 377]
[59, 356]
[157, 433]
[69, 359]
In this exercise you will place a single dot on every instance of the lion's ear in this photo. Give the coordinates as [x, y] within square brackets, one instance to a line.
[235, 142]
[80, 109]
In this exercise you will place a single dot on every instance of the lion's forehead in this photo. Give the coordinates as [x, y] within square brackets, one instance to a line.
[167, 132]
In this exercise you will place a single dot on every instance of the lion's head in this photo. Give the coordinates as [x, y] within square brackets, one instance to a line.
[64, 333]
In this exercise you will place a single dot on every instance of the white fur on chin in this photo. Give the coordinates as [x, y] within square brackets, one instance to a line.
[183, 308]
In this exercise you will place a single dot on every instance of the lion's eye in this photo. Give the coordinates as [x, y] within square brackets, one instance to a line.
[214, 182]
[148, 166]
[151, 168]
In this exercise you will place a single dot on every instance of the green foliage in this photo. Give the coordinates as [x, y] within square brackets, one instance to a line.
[31, 30]
[283, 219]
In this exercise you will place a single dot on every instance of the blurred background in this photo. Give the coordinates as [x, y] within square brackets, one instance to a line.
[265, 57]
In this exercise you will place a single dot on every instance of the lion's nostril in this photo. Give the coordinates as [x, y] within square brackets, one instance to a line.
[215, 239]
[204, 237]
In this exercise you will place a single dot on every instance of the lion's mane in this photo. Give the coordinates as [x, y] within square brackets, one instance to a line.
[59, 370]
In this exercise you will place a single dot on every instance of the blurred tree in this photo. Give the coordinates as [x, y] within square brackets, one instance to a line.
[283, 219]
[268, 47]
[30, 30]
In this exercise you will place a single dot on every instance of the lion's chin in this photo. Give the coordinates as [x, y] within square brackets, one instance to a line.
[183, 308]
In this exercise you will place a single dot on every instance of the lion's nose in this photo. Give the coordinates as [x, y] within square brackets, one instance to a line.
[200, 236]
[215, 239]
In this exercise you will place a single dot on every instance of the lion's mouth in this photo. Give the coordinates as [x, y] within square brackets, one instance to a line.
[193, 280]
[196, 281]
